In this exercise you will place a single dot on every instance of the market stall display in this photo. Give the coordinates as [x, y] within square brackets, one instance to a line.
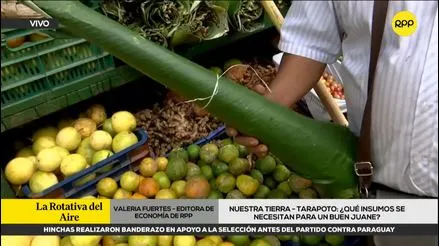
[304, 145]
[178, 149]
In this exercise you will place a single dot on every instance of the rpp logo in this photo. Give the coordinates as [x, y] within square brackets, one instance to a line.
[404, 23]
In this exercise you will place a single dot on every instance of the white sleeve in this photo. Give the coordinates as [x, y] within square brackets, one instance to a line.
[311, 30]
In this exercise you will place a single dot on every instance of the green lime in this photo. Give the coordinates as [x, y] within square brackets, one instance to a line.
[193, 151]
[247, 185]
[311, 240]
[207, 171]
[176, 168]
[266, 165]
[214, 194]
[216, 70]
[235, 194]
[239, 240]
[179, 153]
[334, 240]
[308, 194]
[219, 167]
[276, 194]
[192, 170]
[209, 152]
[278, 161]
[238, 166]
[256, 174]
[231, 62]
[225, 142]
[270, 182]
[285, 187]
[202, 163]
[259, 242]
[205, 242]
[162, 179]
[295, 239]
[225, 182]
[281, 173]
[212, 183]
[272, 240]
[298, 183]
[228, 153]
[243, 151]
[179, 187]
[284, 237]
[262, 192]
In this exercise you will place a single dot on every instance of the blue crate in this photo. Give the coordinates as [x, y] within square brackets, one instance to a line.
[212, 136]
[120, 160]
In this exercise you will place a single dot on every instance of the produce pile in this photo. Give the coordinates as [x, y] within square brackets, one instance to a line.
[59, 152]
[171, 23]
[176, 123]
[163, 240]
[217, 170]
[335, 88]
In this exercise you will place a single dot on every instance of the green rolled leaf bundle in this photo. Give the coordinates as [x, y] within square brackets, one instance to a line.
[206, 20]
[165, 15]
[322, 152]
[170, 22]
[246, 15]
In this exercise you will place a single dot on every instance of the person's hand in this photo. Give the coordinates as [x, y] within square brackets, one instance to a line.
[252, 144]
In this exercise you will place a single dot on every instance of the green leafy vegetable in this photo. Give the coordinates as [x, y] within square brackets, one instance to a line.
[205, 21]
[171, 22]
[246, 15]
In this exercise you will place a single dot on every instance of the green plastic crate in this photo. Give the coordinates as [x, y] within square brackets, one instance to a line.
[52, 87]
[36, 72]
[24, 69]
[6, 190]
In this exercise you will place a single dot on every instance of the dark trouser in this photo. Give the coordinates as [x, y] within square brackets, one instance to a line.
[402, 240]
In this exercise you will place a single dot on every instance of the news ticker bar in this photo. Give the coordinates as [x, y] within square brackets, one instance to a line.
[225, 229]
[45, 23]
[224, 211]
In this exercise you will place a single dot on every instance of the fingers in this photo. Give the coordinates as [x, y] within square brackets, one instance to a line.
[260, 89]
[251, 143]
[247, 141]
[231, 132]
[260, 150]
